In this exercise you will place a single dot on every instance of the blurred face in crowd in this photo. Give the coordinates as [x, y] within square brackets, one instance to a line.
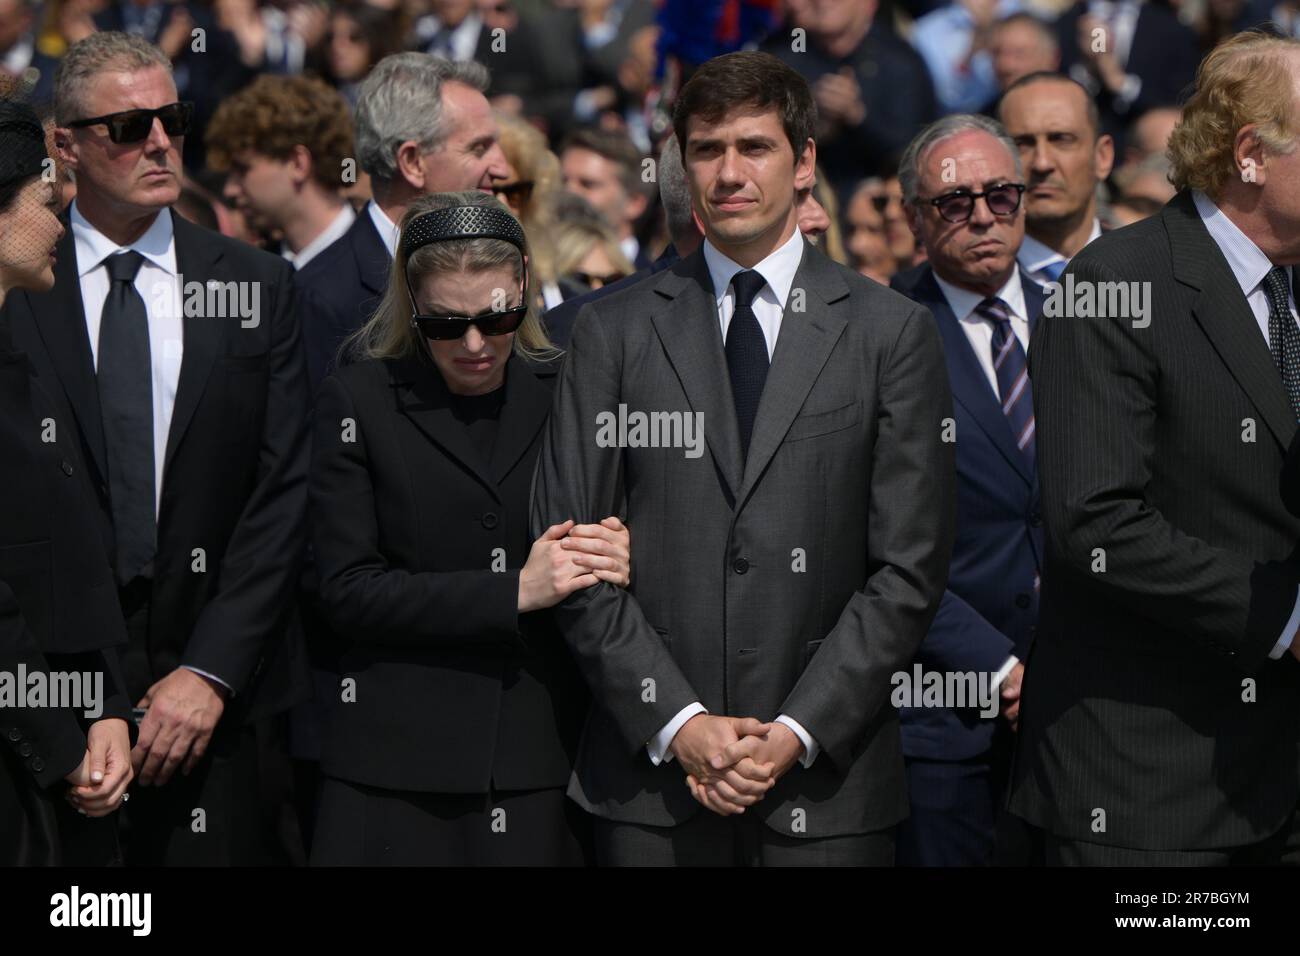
[29, 229]
[474, 364]
[596, 179]
[887, 198]
[832, 18]
[1151, 133]
[15, 20]
[512, 191]
[349, 50]
[812, 216]
[263, 189]
[865, 237]
[498, 14]
[124, 181]
[470, 157]
[1019, 49]
[743, 179]
[597, 269]
[1063, 157]
[450, 13]
[977, 254]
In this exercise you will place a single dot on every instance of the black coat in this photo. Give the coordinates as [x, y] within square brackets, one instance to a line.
[453, 688]
[58, 609]
[235, 473]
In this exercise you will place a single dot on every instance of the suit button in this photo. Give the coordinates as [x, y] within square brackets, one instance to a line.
[15, 734]
[25, 749]
[740, 566]
[489, 521]
[37, 764]
[67, 468]
[1022, 601]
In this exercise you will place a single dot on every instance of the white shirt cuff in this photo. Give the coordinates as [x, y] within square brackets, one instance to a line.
[810, 748]
[657, 747]
[1284, 642]
[1004, 670]
[212, 677]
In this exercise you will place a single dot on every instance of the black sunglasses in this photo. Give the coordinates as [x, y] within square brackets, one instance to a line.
[133, 126]
[522, 190]
[958, 206]
[444, 328]
[590, 278]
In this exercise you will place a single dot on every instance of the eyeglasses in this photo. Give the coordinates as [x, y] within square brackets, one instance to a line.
[443, 328]
[958, 206]
[591, 279]
[134, 126]
[521, 191]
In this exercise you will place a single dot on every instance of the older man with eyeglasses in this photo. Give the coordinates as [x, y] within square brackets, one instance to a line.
[192, 409]
[962, 190]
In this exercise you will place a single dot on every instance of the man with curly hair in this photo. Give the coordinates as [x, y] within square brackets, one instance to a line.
[285, 144]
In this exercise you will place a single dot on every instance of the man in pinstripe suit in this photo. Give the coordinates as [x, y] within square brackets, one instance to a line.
[1160, 716]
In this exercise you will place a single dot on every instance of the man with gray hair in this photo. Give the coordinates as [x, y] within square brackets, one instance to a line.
[423, 125]
[962, 188]
[177, 354]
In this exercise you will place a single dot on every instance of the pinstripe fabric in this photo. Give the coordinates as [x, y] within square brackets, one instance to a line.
[1170, 567]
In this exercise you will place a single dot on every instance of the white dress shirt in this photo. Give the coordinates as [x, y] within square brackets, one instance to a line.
[979, 332]
[778, 269]
[1034, 257]
[1249, 266]
[386, 228]
[338, 225]
[159, 286]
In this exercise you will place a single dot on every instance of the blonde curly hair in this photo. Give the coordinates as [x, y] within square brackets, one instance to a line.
[1245, 80]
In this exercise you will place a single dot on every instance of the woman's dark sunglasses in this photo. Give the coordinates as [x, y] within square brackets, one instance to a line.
[443, 328]
[521, 191]
[133, 126]
[959, 205]
[590, 278]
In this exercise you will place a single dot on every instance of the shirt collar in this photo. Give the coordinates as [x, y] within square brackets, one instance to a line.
[386, 228]
[157, 243]
[1248, 263]
[338, 225]
[963, 301]
[1035, 256]
[777, 269]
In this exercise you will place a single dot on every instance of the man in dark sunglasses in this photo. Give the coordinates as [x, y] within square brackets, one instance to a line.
[962, 184]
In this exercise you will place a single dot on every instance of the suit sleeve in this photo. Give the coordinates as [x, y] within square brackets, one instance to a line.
[911, 519]
[1096, 407]
[51, 736]
[629, 670]
[961, 640]
[364, 598]
[259, 571]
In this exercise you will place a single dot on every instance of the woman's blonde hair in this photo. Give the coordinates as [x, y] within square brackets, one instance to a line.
[390, 332]
[526, 151]
[574, 239]
[1244, 80]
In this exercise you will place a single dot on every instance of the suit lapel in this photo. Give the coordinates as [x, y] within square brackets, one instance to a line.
[60, 320]
[687, 325]
[1225, 315]
[423, 398]
[196, 261]
[802, 348]
[373, 260]
[527, 404]
[970, 386]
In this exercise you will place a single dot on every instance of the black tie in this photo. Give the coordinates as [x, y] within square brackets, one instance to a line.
[1283, 335]
[747, 359]
[125, 378]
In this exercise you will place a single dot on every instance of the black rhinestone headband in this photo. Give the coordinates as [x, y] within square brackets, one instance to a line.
[461, 222]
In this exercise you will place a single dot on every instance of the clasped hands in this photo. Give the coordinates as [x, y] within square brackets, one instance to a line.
[732, 762]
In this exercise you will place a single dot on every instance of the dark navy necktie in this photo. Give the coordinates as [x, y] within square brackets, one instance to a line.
[125, 380]
[1012, 374]
[1283, 335]
[746, 349]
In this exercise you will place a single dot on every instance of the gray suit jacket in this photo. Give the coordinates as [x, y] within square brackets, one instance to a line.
[797, 581]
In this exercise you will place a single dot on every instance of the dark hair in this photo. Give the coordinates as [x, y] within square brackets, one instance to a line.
[747, 78]
[1043, 76]
[22, 150]
[613, 145]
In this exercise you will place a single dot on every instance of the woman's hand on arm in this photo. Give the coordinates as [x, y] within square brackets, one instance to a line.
[605, 549]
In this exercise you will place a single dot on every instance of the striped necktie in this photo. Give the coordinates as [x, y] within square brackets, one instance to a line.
[1012, 375]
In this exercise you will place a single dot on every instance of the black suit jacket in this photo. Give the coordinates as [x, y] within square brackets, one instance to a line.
[990, 607]
[454, 689]
[339, 290]
[1291, 478]
[234, 480]
[1152, 716]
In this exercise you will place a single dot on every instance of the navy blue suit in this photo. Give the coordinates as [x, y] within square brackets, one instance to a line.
[559, 320]
[989, 609]
[339, 290]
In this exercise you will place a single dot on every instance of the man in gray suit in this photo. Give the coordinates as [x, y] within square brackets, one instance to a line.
[782, 577]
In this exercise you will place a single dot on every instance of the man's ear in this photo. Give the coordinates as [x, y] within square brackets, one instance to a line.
[300, 164]
[1104, 156]
[1248, 154]
[65, 147]
[410, 164]
[805, 167]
